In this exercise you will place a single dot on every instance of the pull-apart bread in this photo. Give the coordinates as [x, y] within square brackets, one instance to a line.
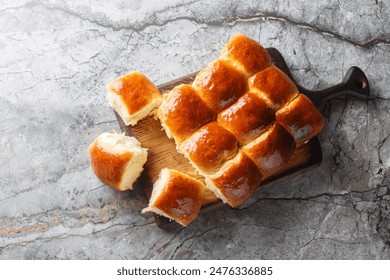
[240, 120]
[238, 123]
[117, 160]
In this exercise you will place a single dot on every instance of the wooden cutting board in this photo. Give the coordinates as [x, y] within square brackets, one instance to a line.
[162, 151]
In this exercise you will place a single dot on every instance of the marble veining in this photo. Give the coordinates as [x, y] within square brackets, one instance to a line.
[55, 61]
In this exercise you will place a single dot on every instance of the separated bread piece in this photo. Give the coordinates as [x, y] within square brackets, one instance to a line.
[176, 196]
[301, 118]
[273, 85]
[133, 96]
[220, 85]
[247, 118]
[271, 150]
[117, 160]
[183, 112]
[236, 181]
[209, 147]
[246, 54]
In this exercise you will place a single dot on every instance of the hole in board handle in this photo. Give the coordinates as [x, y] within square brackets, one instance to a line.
[362, 84]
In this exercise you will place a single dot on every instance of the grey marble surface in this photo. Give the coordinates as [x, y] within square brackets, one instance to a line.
[55, 59]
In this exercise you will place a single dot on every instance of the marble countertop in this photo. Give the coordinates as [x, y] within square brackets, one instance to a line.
[55, 60]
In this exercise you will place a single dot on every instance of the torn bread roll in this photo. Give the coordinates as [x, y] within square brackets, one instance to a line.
[236, 181]
[176, 196]
[133, 96]
[117, 160]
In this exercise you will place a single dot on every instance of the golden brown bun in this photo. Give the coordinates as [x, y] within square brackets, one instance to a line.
[209, 147]
[236, 181]
[183, 112]
[247, 118]
[117, 160]
[246, 54]
[176, 196]
[220, 85]
[301, 118]
[133, 96]
[271, 150]
[273, 85]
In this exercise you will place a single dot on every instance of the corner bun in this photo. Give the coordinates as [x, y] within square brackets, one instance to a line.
[133, 96]
[246, 54]
[117, 160]
[176, 196]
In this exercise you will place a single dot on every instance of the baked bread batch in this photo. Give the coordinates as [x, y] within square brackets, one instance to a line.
[238, 123]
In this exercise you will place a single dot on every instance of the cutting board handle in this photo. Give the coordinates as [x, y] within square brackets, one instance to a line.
[354, 84]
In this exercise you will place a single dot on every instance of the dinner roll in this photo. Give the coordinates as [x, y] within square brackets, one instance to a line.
[247, 118]
[301, 118]
[236, 181]
[274, 86]
[176, 196]
[117, 160]
[246, 54]
[220, 84]
[183, 112]
[209, 147]
[133, 96]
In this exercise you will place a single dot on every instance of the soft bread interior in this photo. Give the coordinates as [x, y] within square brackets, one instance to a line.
[163, 125]
[158, 188]
[114, 143]
[119, 106]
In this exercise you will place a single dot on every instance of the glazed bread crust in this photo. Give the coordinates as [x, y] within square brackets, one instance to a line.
[301, 119]
[240, 121]
[209, 147]
[236, 181]
[271, 151]
[117, 160]
[183, 112]
[220, 85]
[133, 96]
[247, 118]
[246, 54]
[176, 196]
